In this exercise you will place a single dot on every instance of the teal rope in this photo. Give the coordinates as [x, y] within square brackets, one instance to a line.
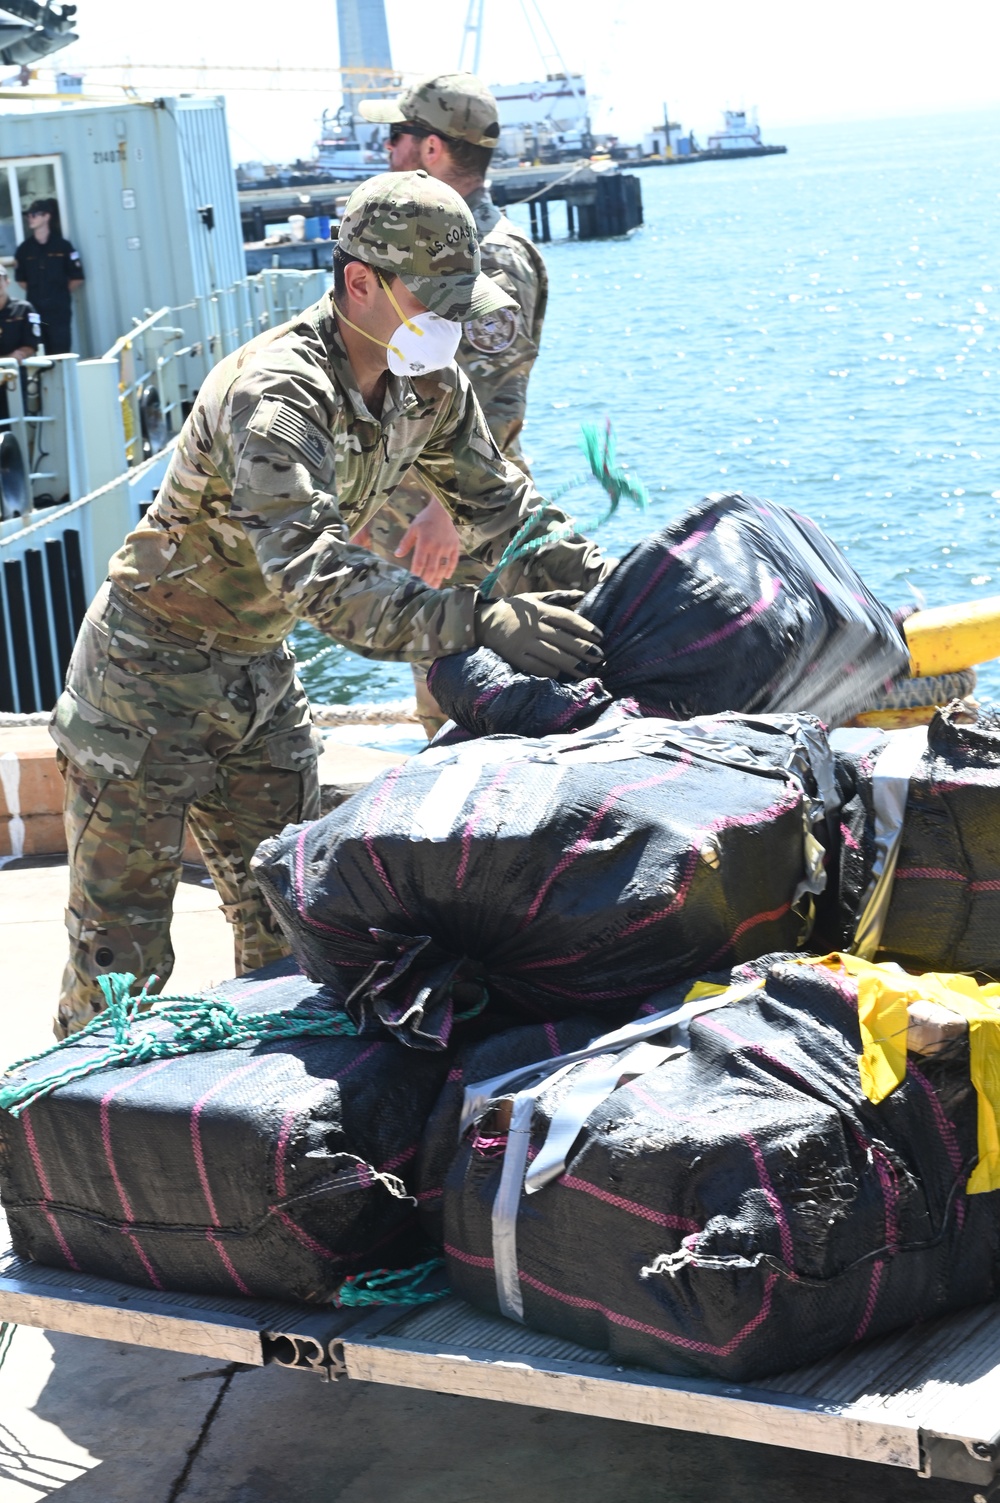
[522, 545]
[600, 448]
[390, 1286]
[136, 1024]
[475, 1010]
[601, 451]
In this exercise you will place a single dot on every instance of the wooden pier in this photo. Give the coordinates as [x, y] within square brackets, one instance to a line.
[600, 202]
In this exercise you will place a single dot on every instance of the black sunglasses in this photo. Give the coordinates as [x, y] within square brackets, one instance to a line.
[419, 131]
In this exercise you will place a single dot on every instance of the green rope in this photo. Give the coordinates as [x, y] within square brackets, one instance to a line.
[521, 545]
[601, 451]
[7, 1329]
[136, 1025]
[599, 446]
[390, 1286]
[475, 1009]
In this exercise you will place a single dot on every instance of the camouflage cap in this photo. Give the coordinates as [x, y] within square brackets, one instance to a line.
[419, 229]
[458, 105]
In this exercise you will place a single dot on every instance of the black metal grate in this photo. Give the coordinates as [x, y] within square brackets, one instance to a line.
[42, 604]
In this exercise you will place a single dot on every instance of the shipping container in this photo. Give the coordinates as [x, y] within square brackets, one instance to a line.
[147, 194]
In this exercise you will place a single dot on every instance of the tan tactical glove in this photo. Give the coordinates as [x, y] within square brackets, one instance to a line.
[541, 634]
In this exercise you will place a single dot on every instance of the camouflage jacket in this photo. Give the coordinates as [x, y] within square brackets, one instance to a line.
[280, 461]
[498, 351]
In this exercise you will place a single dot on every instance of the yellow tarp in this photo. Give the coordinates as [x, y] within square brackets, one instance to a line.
[705, 989]
[884, 994]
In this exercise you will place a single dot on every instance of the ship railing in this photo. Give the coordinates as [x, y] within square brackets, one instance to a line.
[17, 380]
[42, 443]
[165, 357]
[49, 569]
[148, 389]
[93, 439]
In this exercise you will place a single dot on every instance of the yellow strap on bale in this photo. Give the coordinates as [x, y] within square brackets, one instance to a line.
[885, 992]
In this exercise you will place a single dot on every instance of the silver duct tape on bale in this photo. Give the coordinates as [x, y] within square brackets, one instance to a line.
[587, 1093]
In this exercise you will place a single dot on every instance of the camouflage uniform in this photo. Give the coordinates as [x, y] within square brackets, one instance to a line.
[498, 351]
[155, 731]
[181, 699]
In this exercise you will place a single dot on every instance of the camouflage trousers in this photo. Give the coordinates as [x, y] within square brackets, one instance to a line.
[156, 733]
[386, 529]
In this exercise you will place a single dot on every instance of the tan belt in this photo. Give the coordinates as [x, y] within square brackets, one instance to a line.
[217, 641]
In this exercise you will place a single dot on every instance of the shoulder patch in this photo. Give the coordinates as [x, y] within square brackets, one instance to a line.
[483, 443]
[274, 419]
[494, 332]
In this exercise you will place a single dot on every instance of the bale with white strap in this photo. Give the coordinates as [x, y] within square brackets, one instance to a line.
[731, 1203]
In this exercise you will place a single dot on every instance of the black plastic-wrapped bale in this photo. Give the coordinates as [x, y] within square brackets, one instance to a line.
[253, 1170]
[487, 697]
[741, 1208]
[740, 605]
[550, 876]
[944, 910]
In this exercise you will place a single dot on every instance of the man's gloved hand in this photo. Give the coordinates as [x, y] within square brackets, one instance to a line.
[433, 541]
[541, 634]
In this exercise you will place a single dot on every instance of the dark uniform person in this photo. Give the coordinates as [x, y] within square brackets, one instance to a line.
[49, 269]
[182, 702]
[20, 332]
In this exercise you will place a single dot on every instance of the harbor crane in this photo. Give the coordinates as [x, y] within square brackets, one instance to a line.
[35, 32]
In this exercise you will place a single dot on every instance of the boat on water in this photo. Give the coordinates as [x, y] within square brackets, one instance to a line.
[340, 155]
[739, 137]
[343, 158]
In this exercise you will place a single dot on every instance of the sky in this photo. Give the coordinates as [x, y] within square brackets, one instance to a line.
[798, 61]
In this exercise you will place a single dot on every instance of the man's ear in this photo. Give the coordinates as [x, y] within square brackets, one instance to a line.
[361, 283]
[432, 151]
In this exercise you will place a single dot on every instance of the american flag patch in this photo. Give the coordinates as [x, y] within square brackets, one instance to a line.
[292, 428]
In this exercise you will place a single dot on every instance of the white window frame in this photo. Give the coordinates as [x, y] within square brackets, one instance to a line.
[10, 166]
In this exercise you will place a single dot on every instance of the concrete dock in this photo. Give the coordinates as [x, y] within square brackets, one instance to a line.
[86, 1421]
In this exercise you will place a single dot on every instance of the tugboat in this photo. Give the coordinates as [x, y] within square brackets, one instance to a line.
[666, 145]
[738, 138]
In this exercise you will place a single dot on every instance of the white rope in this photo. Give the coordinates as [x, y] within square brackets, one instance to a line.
[56, 513]
[580, 167]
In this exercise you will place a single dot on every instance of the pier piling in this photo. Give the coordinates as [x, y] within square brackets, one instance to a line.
[600, 202]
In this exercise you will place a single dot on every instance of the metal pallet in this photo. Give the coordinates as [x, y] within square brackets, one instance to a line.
[927, 1399]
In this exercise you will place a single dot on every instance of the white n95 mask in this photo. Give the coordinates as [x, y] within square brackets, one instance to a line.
[425, 342]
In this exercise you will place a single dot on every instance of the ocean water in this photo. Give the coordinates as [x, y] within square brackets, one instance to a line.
[821, 328]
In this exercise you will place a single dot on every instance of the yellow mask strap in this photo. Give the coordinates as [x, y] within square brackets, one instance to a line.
[343, 319]
[403, 318]
[413, 328]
